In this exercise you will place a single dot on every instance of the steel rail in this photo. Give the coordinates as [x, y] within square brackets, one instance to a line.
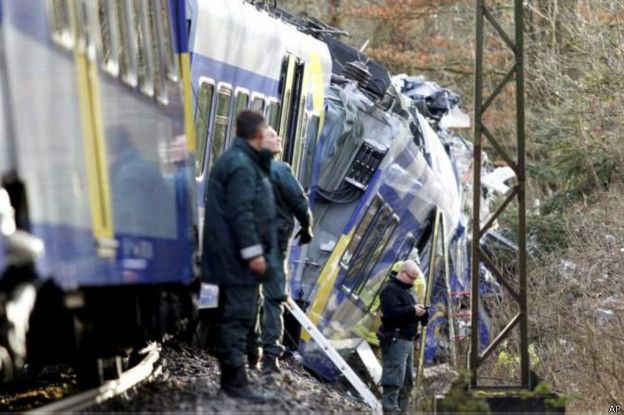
[108, 390]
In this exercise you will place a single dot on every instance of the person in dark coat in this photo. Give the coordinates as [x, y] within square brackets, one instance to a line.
[239, 243]
[401, 315]
[291, 203]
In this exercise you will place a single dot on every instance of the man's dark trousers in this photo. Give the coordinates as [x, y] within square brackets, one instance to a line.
[396, 379]
[237, 308]
[274, 293]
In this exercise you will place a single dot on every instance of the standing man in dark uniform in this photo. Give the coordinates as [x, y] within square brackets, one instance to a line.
[239, 242]
[291, 203]
[399, 327]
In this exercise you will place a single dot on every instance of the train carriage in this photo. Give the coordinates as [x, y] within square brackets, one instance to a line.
[261, 63]
[96, 97]
[379, 207]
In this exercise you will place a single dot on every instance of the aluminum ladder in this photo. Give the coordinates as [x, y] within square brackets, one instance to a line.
[334, 356]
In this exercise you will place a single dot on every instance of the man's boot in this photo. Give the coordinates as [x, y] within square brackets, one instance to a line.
[235, 384]
[390, 398]
[253, 359]
[227, 376]
[270, 365]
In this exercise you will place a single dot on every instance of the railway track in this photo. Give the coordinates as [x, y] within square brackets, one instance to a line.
[133, 376]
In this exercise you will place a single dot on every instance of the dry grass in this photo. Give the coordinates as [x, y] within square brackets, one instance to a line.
[577, 306]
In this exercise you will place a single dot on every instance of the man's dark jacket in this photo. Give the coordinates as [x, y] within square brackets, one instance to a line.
[240, 214]
[290, 200]
[397, 303]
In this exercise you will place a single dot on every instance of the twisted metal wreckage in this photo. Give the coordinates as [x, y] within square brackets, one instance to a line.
[410, 199]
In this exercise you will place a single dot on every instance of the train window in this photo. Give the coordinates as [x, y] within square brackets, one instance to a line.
[60, 23]
[370, 249]
[372, 287]
[161, 40]
[242, 102]
[287, 75]
[108, 37]
[361, 230]
[294, 104]
[408, 249]
[167, 41]
[142, 28]
[257, 102]
[283, 75]
[299, 143]
[426, 231]
[272, 114]
[128, 61]
[221, 123]
[309, 151]
[202, 120]
[382, 237]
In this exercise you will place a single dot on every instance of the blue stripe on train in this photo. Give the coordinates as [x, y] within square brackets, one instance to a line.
[237, 77]
[71, 259]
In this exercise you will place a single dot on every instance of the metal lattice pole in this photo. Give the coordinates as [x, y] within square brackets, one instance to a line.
[519, 294]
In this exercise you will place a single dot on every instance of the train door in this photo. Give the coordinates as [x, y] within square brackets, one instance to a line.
[239, 103]
[292, 105]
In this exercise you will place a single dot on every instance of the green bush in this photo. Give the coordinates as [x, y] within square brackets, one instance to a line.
[459, 399]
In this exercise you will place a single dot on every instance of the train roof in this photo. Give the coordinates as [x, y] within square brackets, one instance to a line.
[340, 51]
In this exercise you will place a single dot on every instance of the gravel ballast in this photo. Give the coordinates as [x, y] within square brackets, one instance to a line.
[189, 382]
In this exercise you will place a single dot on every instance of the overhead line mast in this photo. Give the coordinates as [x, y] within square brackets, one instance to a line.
[519, 293]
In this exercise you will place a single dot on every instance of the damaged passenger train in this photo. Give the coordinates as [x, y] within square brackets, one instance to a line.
[112, 133]
[384, 186]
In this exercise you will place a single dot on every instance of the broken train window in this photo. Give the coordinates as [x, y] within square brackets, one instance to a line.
[368, 244]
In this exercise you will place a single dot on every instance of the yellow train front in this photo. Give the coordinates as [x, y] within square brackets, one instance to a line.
[101, 140]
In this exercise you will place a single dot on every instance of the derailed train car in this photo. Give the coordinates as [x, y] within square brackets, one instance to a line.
[93, 91]
[385, 187]
[378, 198]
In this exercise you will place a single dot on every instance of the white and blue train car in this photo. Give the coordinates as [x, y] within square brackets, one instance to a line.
[98, 109]
[375, 197]
[243, 57]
